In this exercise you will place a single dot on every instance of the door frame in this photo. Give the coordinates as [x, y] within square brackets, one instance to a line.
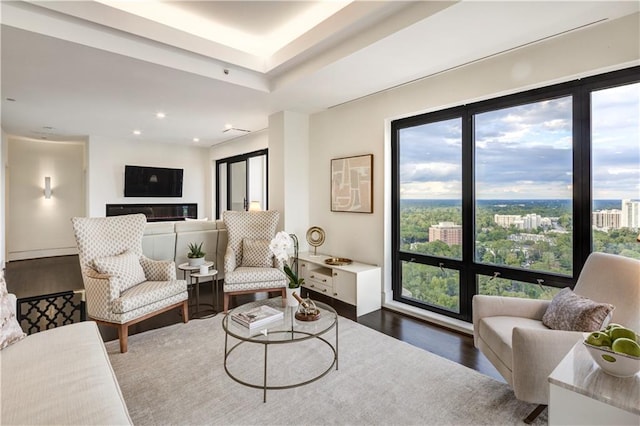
[236, 159]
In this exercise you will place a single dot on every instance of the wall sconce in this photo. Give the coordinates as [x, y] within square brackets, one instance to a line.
[47, 187]
[254, 206]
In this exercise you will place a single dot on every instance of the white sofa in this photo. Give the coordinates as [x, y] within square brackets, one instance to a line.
[60, 376]
[170, 241]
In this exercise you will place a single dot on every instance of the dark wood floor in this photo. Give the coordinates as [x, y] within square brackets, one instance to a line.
[27, 278]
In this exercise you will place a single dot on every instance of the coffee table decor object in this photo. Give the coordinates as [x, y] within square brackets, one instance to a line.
[257, 317]
[307, 309]
[338, 261]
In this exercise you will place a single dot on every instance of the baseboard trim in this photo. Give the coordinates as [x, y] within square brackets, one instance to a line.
[432, 317]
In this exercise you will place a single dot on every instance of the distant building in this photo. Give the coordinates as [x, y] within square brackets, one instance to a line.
[529, 221]
[606, 219]
[529, 237]
[448, 232]
[630, 214]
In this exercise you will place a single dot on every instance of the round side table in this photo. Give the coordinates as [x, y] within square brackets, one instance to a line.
[193, 272]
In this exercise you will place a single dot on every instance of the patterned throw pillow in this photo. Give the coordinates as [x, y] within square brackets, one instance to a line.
[571, 312]
[256, 253]
[10, 331]
[124, 270]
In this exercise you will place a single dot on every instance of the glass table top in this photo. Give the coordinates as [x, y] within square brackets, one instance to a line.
[282, 330]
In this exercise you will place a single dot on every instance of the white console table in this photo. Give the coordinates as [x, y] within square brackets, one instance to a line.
[357, 284]
[580, 393]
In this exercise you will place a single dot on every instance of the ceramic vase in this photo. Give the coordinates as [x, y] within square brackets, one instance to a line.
[196, 261]
[292, 301]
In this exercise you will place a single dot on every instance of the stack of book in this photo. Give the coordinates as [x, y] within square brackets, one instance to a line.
[257, 317]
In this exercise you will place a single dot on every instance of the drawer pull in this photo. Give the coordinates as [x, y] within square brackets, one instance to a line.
[313, 276]
[324, 290]
[312, 285]
[335, 294]
[324, 280]
[335, 274]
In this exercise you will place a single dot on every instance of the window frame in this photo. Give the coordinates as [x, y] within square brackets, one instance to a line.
[580, 92]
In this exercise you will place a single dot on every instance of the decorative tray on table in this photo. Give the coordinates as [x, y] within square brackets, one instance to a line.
[308, 316]
[338, 261]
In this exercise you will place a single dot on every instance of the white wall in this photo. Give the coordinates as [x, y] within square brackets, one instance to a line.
[361, 127]
[3, 192]
[107, 158]
[39, 227]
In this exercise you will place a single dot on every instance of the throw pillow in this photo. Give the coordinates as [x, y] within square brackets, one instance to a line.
[571, 312]
[124, 270]
[10, 331]
[256, 253]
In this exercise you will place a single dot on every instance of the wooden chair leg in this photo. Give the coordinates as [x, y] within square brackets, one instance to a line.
[123, 334]
[534, 414]
[185, 311]
[226, 302]
[283, 293]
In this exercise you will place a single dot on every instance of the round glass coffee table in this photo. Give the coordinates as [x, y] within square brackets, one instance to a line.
[285, 330]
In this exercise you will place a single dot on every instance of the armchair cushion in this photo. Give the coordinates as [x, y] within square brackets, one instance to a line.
[158, 270]
[256, 253]
[124, 270]
[272, 277]
[571, 312]
[145, 294]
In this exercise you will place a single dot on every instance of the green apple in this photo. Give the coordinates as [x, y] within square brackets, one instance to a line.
[626, 346]
[622, 332]
[611, 326]
[598, 338]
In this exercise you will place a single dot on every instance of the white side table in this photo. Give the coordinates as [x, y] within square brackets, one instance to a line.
[193, 273]
[581, 393]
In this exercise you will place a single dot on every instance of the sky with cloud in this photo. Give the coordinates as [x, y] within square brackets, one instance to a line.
[525, 152]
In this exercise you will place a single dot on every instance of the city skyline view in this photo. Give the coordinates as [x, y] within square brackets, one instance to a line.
[525, 152]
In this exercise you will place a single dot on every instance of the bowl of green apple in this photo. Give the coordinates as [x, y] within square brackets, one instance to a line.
[616, 349]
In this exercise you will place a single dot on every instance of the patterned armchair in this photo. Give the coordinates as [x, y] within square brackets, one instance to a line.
[122, 286]
[249, 265]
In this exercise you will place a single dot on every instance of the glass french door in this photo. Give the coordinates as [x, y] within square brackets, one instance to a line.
[241, 182]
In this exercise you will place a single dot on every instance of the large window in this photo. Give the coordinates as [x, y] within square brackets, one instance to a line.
[509, 196]
[615, 130]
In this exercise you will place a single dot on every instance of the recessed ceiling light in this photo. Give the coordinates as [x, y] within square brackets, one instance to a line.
[228, 126]
[137, 132]
[160, 115]
[196, 139]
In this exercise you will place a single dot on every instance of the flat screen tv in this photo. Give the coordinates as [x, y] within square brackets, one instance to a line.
[142, 181]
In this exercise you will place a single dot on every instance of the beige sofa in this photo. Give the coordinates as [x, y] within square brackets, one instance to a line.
[170, 241]
[60, 376]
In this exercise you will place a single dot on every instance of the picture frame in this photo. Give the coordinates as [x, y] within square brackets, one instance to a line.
[352, 184]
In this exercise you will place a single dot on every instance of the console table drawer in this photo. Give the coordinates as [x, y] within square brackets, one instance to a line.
[319, 282]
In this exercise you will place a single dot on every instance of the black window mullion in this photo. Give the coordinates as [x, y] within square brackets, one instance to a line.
[467, 276]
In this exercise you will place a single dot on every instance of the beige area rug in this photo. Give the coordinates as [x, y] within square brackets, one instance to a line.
[175, 376]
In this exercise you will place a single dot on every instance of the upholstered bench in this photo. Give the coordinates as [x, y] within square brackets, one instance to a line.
[60, 376]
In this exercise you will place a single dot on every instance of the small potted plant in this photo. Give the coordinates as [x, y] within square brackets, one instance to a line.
[195, 255]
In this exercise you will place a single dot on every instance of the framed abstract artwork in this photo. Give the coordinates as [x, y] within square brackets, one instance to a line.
[352, 184]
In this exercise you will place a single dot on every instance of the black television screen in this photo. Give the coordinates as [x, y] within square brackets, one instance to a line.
[152, 182]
